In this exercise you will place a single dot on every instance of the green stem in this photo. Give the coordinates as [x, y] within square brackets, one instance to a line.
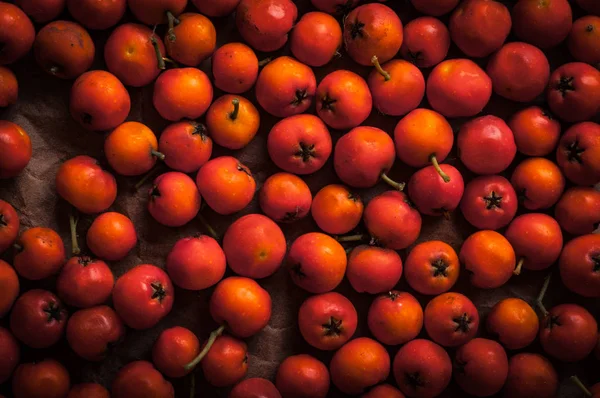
[209, 228]
[265, 61]
[351, 238]
[146, 177]
[575, 380]
[211, 340]
[436, 165]
[172, 21]
[158, 155]
[73, 224]
[236, 109]
[519, 266]
[192, 385]
[375, 62]
[159, 56]
[169, 60]
[540, 297]
[396, 185]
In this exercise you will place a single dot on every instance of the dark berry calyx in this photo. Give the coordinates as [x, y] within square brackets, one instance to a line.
[552, 321]
[305, 151]
[297, 270]
[416, 58]
[3, 221]
[574, 152]
[589, 28]
[333, 327]
[459, 367]
[353, 197]
[463, 323]
[86, 118]
[300, 97]
[327, 103]
[392, 295]
[522, 195]
[291, 216]
[154, 192]
[243, 169]
[200, 129]
[54, 312]
[440, 268]
[85, 260]
[564, 85]
[414, 380]
[158, 291]
[356, 29]
[492, 201]
[596, 262]
[546, 113]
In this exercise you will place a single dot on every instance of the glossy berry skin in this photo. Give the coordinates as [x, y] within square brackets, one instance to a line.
[514, 322]
[426, 42]
[336, 210]
[302, 376]
[373, 269]
[111, 236]
[9, 283]
[197, 39]
[316, 262]
[9, 225]
[226, 363]
[91, 332]
[143, 296]
[537, 240]
[88, 390]
[98, 15]
[490, 258]
[17, 32]
[372, 30]
[383, 391]
[395, 318]
[584, 39]
[131, 149]
[316, 38]
[232, 121]
[578, 210]
[285, 198]
[358, 365]
[45, 378]
[451, 319]
[174, 199]
[568, 332]
[422, 369]
[183, 93]
[579, 265]
[530, 375]
[175, 348]
[489, 202]
[99, 101]
[38, 319]
[85, 282]
[432, 267]
[264, 24]
[186, 146]
[234, 67]
[85, 185]
[154, 12]
[42, 11]
[481, 367]
[42, 254]
[140, 379]
[545, 25]
[573, 93]
[9, 91]
[433, 196]
[299, 144]
[327, 321]
[578, 151]
[12, 354]
[382, 216]
[14, 142]
[538, 182]
[486, 145]
[480, 27]
[196, 262]
[536, 132]
[242, 304]
[254, 387]
[399, 89]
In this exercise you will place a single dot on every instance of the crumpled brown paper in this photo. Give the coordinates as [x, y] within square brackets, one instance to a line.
[42, 110]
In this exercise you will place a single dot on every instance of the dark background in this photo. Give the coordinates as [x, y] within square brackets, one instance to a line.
[42, 110]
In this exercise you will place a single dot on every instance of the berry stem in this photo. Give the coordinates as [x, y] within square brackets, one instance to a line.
[351, 238]
[209, 228]
[192, 385]
[540, 297]
[385, 74]
[265, 61]
[73, 224]
[211, 340]
[436, 165]
[519, 266]
[396, 185]
[172, 21]
[236, 109]
[159, 56]
[169, 60]
[158, 155]
[146, 177]
[575, 380]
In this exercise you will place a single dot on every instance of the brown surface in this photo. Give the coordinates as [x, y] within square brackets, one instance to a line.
[42, 110]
